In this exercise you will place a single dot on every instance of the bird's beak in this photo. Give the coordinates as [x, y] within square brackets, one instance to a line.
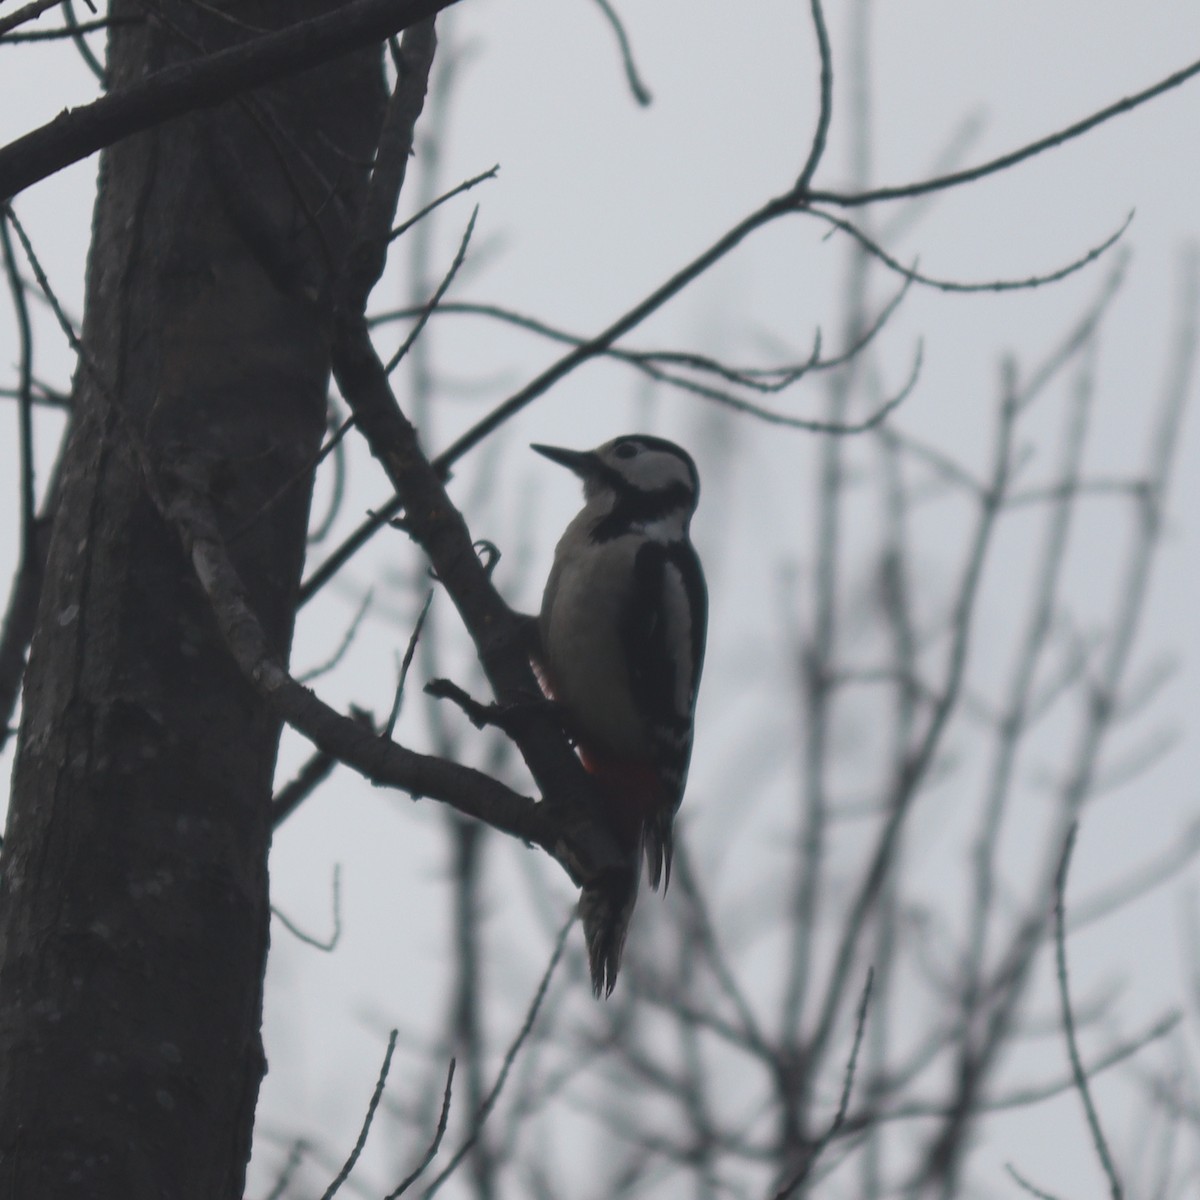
[580, 461]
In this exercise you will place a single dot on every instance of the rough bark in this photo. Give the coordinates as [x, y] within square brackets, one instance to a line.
[133, 900]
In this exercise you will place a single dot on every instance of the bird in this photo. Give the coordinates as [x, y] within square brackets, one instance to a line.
[620, 648]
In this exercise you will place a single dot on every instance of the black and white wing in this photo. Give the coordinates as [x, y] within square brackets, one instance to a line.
[664, 632]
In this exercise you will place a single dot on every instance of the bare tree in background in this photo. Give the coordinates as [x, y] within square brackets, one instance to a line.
[246, 211]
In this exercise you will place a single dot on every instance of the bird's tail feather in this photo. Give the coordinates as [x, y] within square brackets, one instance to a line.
[605, 907]
[659, 842]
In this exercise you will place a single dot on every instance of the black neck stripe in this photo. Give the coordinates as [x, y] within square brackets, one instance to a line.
[636, 507]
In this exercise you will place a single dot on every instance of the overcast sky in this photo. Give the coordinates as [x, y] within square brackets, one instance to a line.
[597, 201]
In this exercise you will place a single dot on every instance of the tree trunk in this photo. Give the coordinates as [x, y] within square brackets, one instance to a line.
[133, 901]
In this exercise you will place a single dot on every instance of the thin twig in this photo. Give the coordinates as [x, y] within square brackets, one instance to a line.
[337, 559]
[43, 282]
[1024, 1183]
[70, 31]
[506, 1066]
[1068, 1019]
[767, 380]
[640, 92]
[292, 1163]
[825, 113]
[376, 1096]
[1183, 848]
[347, 641]
[1077, 336]
[703, 926]
[329, 944]
[315, 771]
[25, 331]
[438, 1134]
[992, 285]
[435, 299]
[1029, 150]
[77, 30]
[1026, 1097]
[421, 214]
[303, 473]
[43, 395]
[818, 1147]
[467, 1002]
[405, 664]
[319, 530]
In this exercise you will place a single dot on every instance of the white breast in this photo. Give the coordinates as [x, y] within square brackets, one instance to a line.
[586, 593]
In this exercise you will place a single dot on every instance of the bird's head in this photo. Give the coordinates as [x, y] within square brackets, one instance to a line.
[643, 480]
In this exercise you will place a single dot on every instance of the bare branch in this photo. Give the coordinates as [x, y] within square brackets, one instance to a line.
[598, 344]
[1029, 150]
[470, 792]
[28, 13]
[181, 88]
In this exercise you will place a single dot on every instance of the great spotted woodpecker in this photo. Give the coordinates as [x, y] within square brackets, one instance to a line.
[622, 631]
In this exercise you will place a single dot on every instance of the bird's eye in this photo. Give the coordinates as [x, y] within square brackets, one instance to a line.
[626, 450]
